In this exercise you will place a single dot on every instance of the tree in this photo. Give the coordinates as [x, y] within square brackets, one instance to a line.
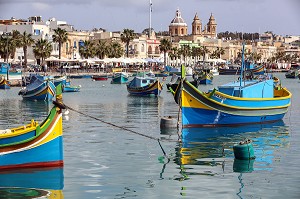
[101, 48]
[204, 50]
[60, 36]
[185, 51]
[127, 36]
[26, 40]
[5, 46]
[87, 49]
[165, 46]
[42, 49]
[196, 53]
[115, 50]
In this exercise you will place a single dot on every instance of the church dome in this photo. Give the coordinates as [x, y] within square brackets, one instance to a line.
[178, 20]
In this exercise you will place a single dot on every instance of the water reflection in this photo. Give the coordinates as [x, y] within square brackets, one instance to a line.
[206, 151]
[32, 183]
[16, 112]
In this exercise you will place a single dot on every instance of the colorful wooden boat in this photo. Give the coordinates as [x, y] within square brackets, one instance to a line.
[38, 90]
[236, 69]
[119, 78]
[204, 76]
[69, 88]
[34, 145]
[45, 182]
[4, 84]
[100, 77]
[292, 74]
[238, 103]
[144, 86]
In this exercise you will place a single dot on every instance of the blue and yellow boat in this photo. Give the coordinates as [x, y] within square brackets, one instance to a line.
[144, 86]
[38, 90]
[248, 101]
[34, 145]
[4, 84]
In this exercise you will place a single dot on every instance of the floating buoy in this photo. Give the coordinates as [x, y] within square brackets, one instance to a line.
[168, 122]
[244, 150]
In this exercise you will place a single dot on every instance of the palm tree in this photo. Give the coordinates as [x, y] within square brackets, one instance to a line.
[42, 49]
[165, 46]
[60, 36]
[185, 51]
[115, 49]
[101, 48]
[87, 49]
[5, 43]
[195, 52]
[26, 40]
[126, 37]
[204, 50]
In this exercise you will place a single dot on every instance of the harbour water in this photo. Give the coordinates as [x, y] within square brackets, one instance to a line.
[102, 161]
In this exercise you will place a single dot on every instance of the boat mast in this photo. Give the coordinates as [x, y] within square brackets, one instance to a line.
[243, 65]
[150, 12]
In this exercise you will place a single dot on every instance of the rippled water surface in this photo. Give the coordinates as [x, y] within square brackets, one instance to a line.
[102, 161]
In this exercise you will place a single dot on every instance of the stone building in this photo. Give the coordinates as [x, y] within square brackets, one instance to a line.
[177, 26]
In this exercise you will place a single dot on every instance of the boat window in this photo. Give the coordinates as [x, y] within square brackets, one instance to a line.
[144, 81]
[151, 81]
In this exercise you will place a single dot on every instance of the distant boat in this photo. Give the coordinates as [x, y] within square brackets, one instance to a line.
[38, 90]
[100, 77]
[144, 86]
[4, 84]
[247, 101]
[68, 88]
[80, 76]
[119, 78]
[292, 73]
[204, 76]
[236, 69]
[34, 145]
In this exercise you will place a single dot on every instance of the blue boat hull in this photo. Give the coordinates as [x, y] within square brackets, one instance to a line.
[119, 80]
[193, 117]
[42, 154]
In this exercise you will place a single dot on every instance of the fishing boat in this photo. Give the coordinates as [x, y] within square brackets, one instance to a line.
[4, 84]
[119, 78]
[100, 77]
[68, 88]
[144, 86]
[292, 73]
[38, 90]
[236, 69]
[247, 101]
[34, 145]
[204, 76]
[47, 182]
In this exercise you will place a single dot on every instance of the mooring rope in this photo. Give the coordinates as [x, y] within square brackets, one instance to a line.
[120, 127]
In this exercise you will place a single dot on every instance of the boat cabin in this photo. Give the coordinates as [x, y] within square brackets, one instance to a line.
[141, 81]
[249, 89]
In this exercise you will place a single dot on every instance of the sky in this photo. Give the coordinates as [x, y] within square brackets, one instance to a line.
[249, 16]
